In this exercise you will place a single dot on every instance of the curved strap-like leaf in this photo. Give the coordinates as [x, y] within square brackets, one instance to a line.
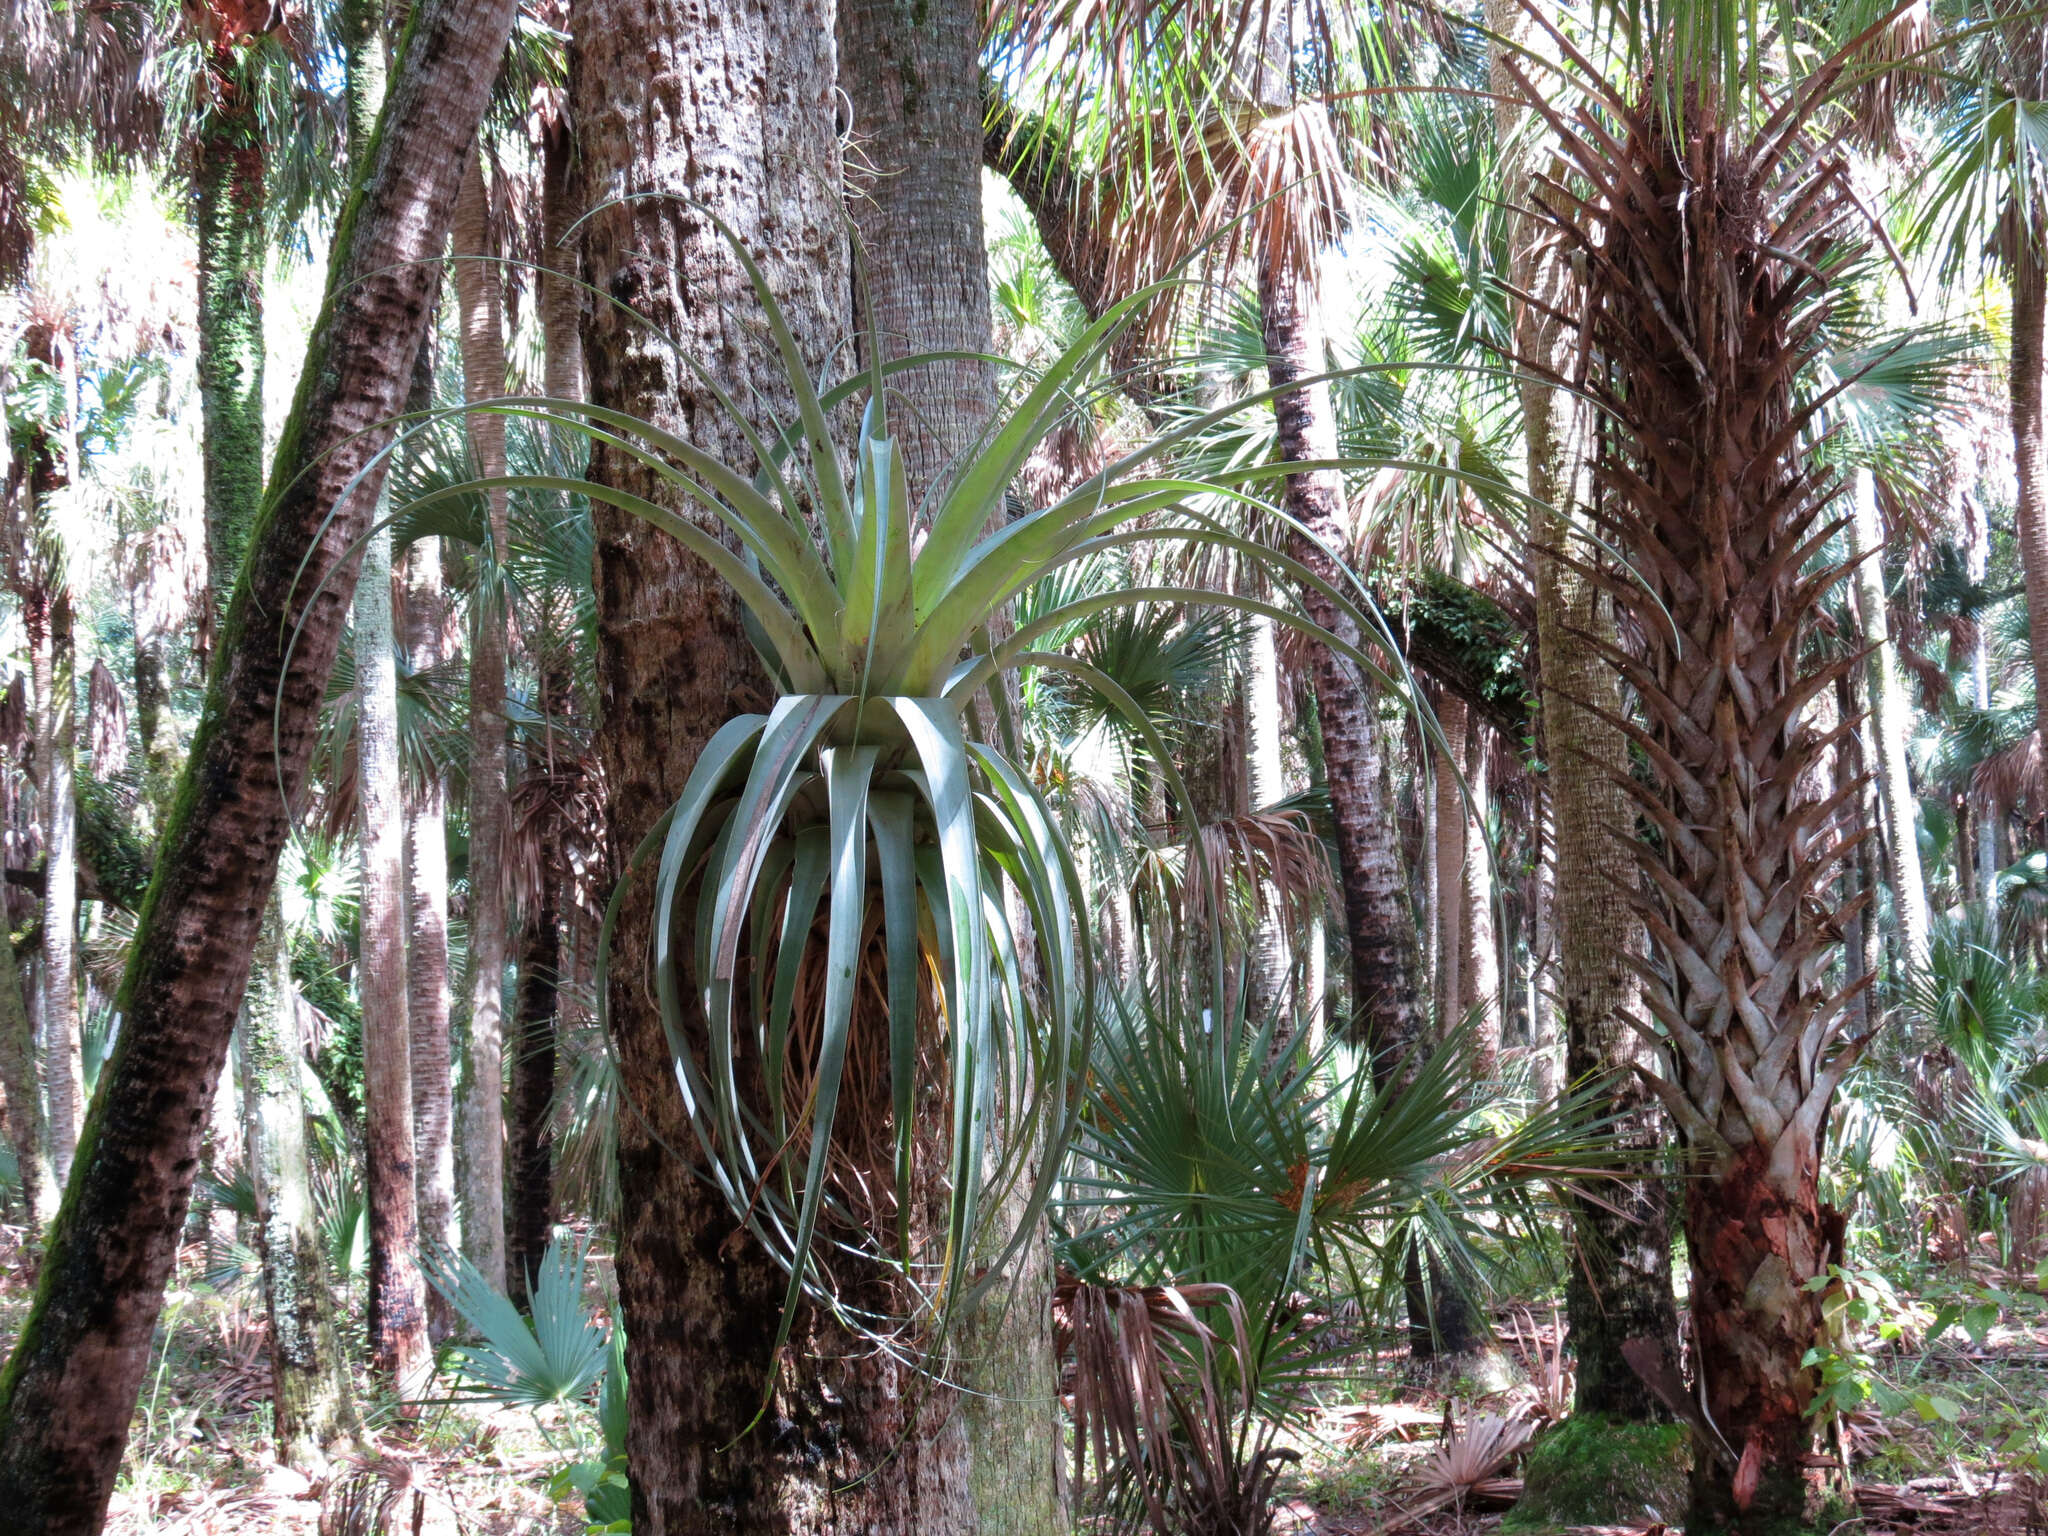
[892, 815]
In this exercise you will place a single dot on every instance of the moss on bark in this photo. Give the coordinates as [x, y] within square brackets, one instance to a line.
[1593, 1470]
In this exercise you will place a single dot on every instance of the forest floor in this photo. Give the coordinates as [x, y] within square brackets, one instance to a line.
[199, 1461]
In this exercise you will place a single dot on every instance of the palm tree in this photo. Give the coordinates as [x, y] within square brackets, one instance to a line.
[69, 1388]
[482, 339]
[1986, 202]
[1707, 228]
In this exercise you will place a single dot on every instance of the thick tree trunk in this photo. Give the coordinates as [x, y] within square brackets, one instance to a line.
[911, 76]
[313, 1407]
[482, 1165]
[18, 1080]
[69, 1388]
[2030, 466]
[427, 999]
[55, 662]
[399, 1350]
[745, 96]
[1890, 717]
[1753, 1244]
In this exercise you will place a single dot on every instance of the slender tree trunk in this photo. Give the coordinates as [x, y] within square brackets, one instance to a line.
[428, 1001]
[1479, 967]
[533, 1078]
[1619, 1287]
[57, 758]
[1268, 777]
[399, 1349]
[2030, 467]
[25, 1129]
[561, 291]
[759, 148]
[1890, 716]
[69, 1388]
[314, 1409]
[1386, 1001]
[1451, 845]
[1983, 882]
[228, 210]
[482, 1167]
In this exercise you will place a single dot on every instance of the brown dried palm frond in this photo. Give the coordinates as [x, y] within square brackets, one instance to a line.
[1478, 1451]
[1707, 240]
[1551, 1378]
[106, 717]
[2013, 778]
[1154, 1405]
[1276, 858]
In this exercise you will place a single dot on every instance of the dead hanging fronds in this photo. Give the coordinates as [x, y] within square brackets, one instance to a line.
[1278, 861]
[1163, 1403]
[2013, 778]
[106, 716]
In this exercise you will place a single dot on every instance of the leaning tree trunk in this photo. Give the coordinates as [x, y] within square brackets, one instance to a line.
[482, 1166]
[399, 1350]
[2030, 456]
[700, 1299]
[313, 1408]
[53, 662]
[1386, 1002]
[1699, 276]
[69, 1388]
[984, 1458]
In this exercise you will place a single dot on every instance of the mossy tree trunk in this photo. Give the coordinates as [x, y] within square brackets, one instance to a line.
[69, 1389]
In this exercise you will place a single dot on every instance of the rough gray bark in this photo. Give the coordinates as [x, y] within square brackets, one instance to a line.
[313, 1406]
[25, 1129]
[55, 665]
[399, 1350]
[70, 1386]
[482, 1163]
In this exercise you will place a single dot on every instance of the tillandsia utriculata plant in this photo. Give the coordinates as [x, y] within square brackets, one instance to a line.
[831, 883]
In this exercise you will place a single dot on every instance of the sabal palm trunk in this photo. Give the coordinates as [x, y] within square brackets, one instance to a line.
[1386, 994]
[1890, 717]
[1451, 846]
[428, 1000]
[69, 1388]
[1699, 267]
[533, 1076]
[673, 662]
[54, 662]
[2030, 454]
[1619, 1284]
[482, 1151]
[912, 78]
[26, 1132]
[398, 1294]
[313, 1407]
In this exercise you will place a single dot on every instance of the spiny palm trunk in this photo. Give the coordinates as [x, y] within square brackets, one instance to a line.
[482, 1164]
[427, 1001]
[56, 664]
[69, 1389]
[700, 1300]
[1697, 266]
[1386, 1002]
[313, 1406]
[913, 81]
[2030, 455]
[398, 1301]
